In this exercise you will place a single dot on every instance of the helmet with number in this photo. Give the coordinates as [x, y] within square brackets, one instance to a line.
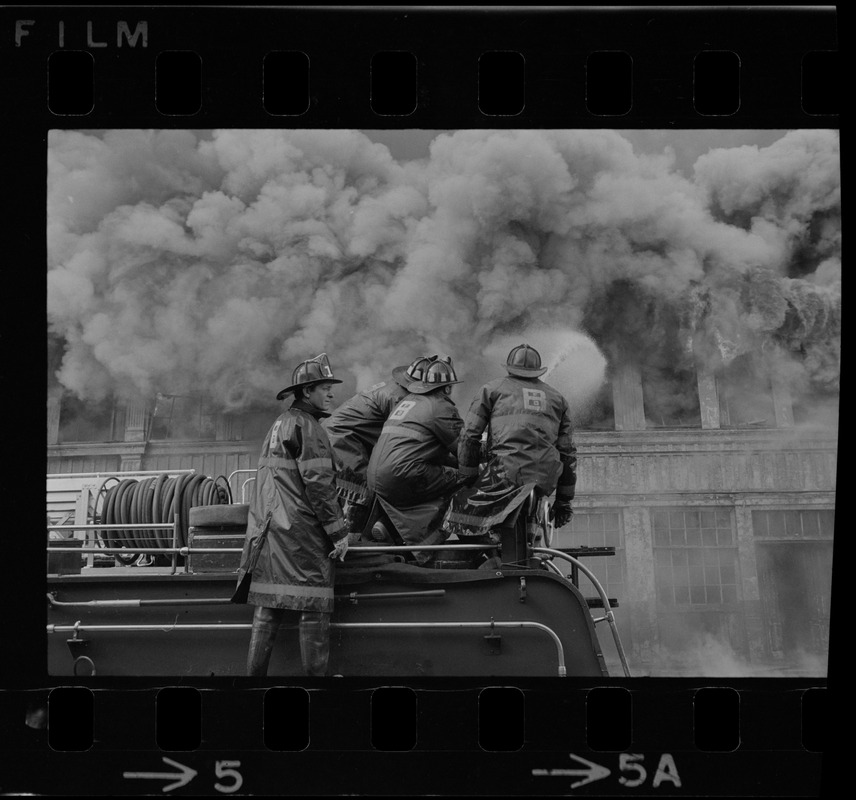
[405, 375]
[524, 362]
[308, 373]
[439, 374]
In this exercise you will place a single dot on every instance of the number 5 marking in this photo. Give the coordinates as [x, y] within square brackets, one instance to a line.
[627, 762]
[224, 769]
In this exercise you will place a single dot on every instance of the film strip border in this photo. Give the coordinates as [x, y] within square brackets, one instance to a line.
[711, 740]
[514, 67]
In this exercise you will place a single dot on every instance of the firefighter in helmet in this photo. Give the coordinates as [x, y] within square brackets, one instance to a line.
[287, 566]
[412, 469]
[354, 429]
[529, 444]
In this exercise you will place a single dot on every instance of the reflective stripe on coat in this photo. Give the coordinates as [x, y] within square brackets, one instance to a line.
[354, 429]
[294, 516]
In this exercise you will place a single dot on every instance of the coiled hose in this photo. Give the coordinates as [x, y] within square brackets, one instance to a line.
[156, 499]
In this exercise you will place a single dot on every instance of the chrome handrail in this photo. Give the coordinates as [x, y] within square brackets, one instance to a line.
[609, 617]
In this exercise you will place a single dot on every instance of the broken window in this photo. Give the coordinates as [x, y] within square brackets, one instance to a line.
[670, 397]
[180, 417]
[86, 421]
[745, 395]
[598, 414]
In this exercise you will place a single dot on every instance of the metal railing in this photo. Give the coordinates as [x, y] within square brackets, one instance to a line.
[175, 551]
[244, 484]
[608, 617]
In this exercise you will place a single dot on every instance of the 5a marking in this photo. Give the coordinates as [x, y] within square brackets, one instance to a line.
[630, 764]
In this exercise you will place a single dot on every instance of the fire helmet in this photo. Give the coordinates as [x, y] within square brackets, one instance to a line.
[438, 374]
[406, 374]
[308, 373]
[524, 362]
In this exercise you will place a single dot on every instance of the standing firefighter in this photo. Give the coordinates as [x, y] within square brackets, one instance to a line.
[413, 467]
[354, 429]
[529, 445]
[294, 519]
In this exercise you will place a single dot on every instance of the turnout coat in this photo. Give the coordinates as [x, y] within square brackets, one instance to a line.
[412, 466]
[529, 444]
[294, 517]
[354, 429]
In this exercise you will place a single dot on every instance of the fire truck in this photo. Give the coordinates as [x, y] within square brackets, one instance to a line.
[141, 568]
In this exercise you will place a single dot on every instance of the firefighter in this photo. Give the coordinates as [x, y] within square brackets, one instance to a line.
[412, 469]
[354, 429]
[529, 444]
[295, 518]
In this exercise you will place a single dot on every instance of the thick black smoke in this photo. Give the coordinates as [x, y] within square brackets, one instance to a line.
[212, 264]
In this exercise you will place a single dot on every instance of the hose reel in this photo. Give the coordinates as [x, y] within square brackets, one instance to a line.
[156, 499]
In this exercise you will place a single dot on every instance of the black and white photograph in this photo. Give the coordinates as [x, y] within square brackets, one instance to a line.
[439, 403]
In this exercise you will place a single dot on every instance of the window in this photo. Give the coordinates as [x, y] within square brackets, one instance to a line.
[817, 408]
[254, 425]
[670, 396]
[809, 524]
[182, 417]
[82, 421]
[599, 529]
[745, 395]
[597, 414]
[695, 556]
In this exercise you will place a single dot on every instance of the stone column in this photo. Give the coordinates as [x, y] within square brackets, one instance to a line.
[627, 397]
[708, 398]
[722, 399]
[782, 404]
[136, 421]
[750, 599]
[136, 417]
[641, 599]
[54, 408]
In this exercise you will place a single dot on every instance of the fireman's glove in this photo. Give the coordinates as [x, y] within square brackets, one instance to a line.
[339, 549]
[561, 513]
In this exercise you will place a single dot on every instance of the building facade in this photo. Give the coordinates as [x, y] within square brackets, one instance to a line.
[722, 528]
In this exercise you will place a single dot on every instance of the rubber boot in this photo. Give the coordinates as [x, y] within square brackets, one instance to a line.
[315, 642]
[266, 623]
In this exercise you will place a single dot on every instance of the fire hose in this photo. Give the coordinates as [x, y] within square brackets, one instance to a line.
[158, 499]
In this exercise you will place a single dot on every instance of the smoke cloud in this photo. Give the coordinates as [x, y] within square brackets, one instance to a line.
[211, 264]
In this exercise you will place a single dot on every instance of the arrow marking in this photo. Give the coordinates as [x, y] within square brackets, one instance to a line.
[186, 775]
[592, 772]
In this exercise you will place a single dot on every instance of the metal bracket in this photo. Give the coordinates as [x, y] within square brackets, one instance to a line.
[77, 646]
[494, 640]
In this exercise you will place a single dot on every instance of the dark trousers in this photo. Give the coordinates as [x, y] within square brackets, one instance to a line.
[314, 632]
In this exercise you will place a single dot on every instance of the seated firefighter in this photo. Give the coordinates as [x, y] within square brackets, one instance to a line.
[412, 469]
[354, 429]
[529, 445]
[295, 518]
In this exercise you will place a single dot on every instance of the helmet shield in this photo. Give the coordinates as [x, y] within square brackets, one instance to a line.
[309, 372]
